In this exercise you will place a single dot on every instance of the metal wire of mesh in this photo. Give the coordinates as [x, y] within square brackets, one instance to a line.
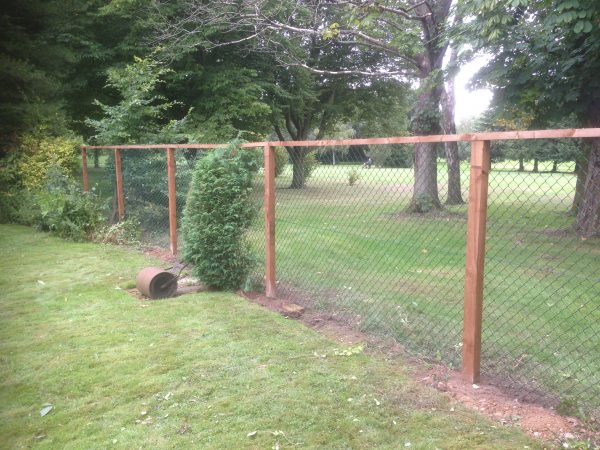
[542, 285]
[348, 245]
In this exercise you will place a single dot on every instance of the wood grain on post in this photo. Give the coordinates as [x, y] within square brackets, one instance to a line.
[84, 169]
[476, 228]
[172, 200]
[119, 178]
[270, 282]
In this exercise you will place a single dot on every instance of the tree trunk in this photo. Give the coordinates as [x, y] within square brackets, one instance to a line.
[554, 166]
[521, 165]
[425, 192]
[96, 158]
[297, 155]
[535, 166]
[454, 189]
[449, 127]
[581, 166]
[588, 215]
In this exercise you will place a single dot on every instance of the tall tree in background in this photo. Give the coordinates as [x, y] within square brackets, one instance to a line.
[448, 105]
[546, 59]
[33, 50]
[308, 94]
[412, 36]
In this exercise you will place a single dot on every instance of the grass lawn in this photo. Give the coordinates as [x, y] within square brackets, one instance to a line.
[200, 371]
[351, 250]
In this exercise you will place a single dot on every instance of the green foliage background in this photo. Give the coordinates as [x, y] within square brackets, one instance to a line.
[218, 212]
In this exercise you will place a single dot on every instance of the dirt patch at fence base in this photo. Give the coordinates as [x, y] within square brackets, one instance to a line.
[327, 324]
[160, 253]
[506, 406]
[503, 406]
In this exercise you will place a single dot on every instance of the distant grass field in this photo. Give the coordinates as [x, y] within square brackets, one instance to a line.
[354, 251]
[206, 370]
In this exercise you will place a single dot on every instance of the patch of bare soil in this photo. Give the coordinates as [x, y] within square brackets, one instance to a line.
[506, 406]
[503, 406]
[160, 253]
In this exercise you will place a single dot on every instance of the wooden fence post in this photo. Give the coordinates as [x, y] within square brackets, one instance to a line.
[84, 169]
[476, 228]
[270, 280]
[119, 178]
[172, 200]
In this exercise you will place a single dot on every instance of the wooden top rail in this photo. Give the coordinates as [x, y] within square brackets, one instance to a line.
[468, 137]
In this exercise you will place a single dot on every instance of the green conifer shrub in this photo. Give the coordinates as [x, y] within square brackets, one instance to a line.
[218, 211]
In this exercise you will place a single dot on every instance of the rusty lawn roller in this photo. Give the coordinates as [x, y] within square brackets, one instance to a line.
[156, 283]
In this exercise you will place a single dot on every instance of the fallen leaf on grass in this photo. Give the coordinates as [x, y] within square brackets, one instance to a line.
[46, 408]
[252, 434]
[41, 282]
[184, 428]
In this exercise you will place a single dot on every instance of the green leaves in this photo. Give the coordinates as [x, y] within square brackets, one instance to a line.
[218, 212]
[141, 114]
[545, 59]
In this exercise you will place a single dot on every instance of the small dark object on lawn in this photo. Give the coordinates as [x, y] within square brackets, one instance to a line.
[156, 283]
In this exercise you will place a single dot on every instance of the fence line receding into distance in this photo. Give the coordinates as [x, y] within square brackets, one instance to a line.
[476, 220]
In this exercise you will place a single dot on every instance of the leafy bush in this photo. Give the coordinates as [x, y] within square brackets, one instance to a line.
[38, 152]
[398, 156]
[310, 164]
[127, 232]
[65, 210]
[353, 176]
[281, 160]
[218, 211]
[18, 206]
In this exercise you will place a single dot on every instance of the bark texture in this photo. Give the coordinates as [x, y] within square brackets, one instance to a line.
[426, 118]
[449, 127]
[297, 155]
[588, 214]
[581, 166]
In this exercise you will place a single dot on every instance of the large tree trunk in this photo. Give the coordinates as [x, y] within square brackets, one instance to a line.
[554, 167]
[588, 215]
[581, 166]
[96, 158]
[425, 192]
[536, 168]
[297, 155]
[449, 127]
[454, 189]
[521, 165]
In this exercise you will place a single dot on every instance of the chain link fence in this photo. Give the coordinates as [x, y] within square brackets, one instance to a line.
[349, 246]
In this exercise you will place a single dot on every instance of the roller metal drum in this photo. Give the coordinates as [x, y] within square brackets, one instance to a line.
[156, 283]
